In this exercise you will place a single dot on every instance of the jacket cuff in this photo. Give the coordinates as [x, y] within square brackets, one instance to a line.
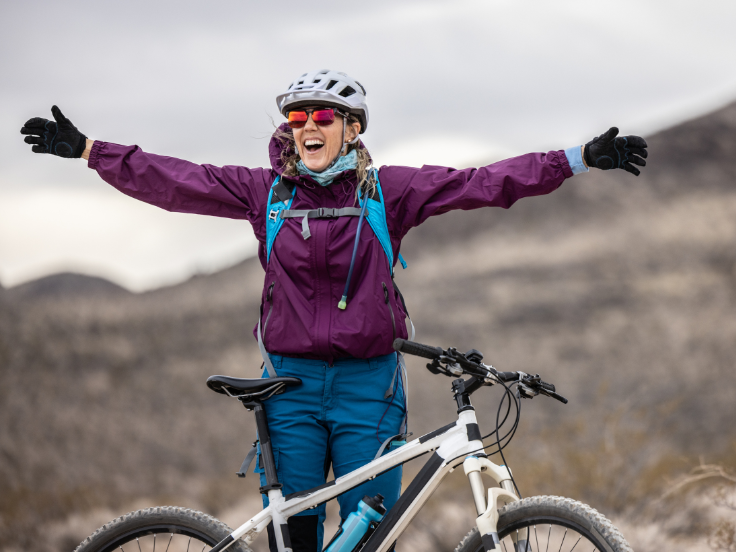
[94, 154]
[575, 159]
[564, 163]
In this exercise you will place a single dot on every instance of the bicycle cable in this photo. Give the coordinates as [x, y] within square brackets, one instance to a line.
[508, 436]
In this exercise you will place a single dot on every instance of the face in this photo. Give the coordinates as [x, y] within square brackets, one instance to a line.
[319, 145]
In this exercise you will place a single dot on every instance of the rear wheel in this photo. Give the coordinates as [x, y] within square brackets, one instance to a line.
[165, 528]
[553, 524]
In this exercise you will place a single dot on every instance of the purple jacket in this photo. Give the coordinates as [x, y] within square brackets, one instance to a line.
[305, 278]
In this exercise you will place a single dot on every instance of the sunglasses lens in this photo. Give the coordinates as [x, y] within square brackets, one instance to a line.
[297, 119]
[323, 117]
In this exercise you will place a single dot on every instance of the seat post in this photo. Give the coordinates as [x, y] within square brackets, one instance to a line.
[269, 465]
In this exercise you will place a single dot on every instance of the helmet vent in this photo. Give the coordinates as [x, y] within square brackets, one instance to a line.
[316, 80]
[301, 82]
[331, 84]
[347, 91]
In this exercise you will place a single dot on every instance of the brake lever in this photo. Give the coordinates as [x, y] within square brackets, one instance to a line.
[435, 367]
[526, 392]
[452, 362]
[450, 368]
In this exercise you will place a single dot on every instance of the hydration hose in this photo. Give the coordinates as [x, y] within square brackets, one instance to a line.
[344, 301]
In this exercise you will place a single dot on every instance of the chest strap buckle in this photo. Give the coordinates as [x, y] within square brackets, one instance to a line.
[326, 212]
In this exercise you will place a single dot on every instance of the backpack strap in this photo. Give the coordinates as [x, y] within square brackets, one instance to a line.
[248, 460]
[376, 216]
[280, 199]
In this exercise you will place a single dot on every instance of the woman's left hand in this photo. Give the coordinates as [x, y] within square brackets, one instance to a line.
[610, 151]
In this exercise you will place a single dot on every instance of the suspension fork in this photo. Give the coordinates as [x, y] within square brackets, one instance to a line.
[487, 520]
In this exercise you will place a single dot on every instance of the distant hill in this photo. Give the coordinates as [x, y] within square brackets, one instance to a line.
[65, 284]
[620, 290]
[692, 158]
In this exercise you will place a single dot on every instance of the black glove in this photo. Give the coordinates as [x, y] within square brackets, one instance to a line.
[57, 138]
[608, 152]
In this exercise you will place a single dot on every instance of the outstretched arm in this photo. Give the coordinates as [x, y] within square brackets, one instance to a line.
[169, 183]
[413, 195]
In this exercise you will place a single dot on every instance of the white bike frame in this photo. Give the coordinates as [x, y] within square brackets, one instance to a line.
[449, 443]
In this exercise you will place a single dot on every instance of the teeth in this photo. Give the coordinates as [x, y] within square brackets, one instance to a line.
[314, 143]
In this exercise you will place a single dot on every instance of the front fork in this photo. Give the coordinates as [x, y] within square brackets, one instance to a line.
[487, 519]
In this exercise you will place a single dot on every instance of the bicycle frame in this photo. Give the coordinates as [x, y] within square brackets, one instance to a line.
[448, 444]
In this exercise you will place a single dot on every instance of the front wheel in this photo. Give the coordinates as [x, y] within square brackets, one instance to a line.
[553, 524]
[173, 529]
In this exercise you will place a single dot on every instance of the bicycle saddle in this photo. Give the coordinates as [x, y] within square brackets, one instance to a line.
[236, 387]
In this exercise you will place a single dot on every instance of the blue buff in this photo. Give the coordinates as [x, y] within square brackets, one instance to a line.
[575, 158]
[325, 178]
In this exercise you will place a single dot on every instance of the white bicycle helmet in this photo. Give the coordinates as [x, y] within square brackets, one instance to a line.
[326, 88]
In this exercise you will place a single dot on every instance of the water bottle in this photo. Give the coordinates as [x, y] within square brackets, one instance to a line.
[352, 532]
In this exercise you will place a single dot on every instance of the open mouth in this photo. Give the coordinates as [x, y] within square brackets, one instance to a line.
[313, 144]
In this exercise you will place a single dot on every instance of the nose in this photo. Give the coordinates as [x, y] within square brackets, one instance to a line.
[310, 125]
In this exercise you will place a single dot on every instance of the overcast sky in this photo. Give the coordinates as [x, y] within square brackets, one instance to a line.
[449, 83]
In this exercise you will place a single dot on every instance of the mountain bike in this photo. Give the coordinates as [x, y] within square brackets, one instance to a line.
[504, 520]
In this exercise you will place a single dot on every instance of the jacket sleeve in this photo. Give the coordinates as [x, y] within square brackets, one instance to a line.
[185, 187]
[413, 195]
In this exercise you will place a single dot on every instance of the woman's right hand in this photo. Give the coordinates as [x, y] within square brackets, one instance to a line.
[59, 138]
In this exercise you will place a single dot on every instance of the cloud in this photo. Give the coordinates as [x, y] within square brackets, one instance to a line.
[106, 233]
[198, 81]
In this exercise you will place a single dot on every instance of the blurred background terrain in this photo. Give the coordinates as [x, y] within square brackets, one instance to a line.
[620, 290]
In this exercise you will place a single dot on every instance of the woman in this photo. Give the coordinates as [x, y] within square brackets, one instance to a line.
[319, 323]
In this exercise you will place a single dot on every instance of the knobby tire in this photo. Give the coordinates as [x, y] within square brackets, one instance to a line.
[164, 528]
[555, 525]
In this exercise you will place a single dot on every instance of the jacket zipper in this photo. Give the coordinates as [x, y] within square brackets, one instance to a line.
[393, 321]
[269, 300]
[323, 292]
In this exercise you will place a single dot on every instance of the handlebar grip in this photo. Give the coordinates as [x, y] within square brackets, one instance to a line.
[417, 349]
[508, 376]
[554, 395]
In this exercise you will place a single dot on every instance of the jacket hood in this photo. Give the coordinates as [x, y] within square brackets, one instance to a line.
[278, 144]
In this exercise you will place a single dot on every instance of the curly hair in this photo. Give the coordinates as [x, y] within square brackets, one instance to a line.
[290, 157]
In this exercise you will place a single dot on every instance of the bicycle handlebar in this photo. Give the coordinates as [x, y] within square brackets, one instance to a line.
[469, 366]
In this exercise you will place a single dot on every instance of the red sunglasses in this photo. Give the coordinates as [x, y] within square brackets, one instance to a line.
[322, 116]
